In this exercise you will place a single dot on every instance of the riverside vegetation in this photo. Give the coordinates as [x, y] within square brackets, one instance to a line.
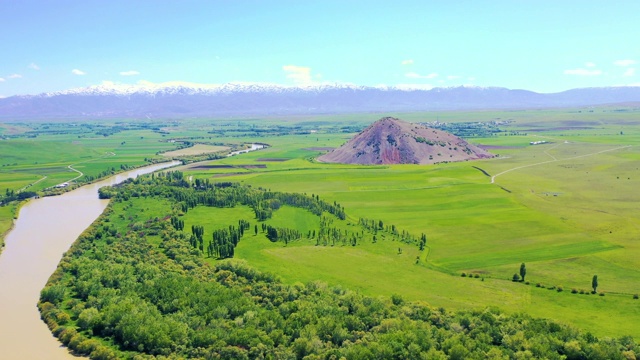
[565, 208]
[136, 285]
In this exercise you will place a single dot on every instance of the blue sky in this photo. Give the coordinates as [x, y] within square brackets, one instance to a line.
[544, 46]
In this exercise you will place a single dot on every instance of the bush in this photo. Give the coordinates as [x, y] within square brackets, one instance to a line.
[86, 347]
[515, 278]
[463, 275]
[635, 296]
[601, 293]
[574, 291]
[53, 294]
[526, 283]
[477, 276]
[558, 288]
[397, 299]
[540, 285]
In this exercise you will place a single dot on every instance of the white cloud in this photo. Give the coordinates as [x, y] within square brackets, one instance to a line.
[471, 79]
[301, 75]
[14, 76]
[34, 66]
[78, 72]
[407, 62]
[583, 72]
[590, 64]
[129, 73]
[629, 72]
[453, 77]
[624, 62]
[413, 75]
[2, 80]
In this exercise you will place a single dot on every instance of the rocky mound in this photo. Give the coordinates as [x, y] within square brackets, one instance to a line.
[393, 141]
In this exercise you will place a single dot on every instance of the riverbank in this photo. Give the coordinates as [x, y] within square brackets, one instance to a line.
[43, 232]
[9, 212]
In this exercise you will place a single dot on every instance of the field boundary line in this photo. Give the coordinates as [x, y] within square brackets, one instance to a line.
[33, 183]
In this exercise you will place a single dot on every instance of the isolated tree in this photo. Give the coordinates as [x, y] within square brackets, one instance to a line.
[256, 229]
[594, 283]
[523, 271]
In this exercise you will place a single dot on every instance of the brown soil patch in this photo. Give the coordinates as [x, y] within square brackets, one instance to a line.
[197, 149]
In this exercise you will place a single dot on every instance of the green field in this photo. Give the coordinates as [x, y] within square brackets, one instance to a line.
[567, 208]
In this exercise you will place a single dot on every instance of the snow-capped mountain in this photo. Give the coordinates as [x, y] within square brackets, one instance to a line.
[177, 99]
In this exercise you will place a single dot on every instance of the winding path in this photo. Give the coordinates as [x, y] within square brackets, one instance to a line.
[493, 178]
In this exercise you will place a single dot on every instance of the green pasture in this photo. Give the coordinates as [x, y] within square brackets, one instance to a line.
[567, 208]
[567, 211]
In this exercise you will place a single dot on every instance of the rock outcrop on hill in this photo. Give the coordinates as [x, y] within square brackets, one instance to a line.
[393, 141]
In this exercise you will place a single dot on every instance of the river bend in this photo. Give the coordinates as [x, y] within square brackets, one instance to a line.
[44, 230]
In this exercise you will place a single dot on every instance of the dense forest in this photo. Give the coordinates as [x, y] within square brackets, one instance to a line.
[116, 294]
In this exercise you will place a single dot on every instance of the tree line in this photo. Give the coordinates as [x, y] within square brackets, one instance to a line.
[118, 295]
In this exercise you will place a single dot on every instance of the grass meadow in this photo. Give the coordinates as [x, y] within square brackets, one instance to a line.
[567, 208]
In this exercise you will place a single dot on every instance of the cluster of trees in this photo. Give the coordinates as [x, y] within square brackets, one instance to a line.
[281, 234]
[11, 195]
[173, 185]
[125, 297]
[374, 226]
[197, 237]
[328, 235]
[177, 223]
[224, 241]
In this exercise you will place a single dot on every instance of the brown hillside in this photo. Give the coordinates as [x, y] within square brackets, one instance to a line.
[393, 141]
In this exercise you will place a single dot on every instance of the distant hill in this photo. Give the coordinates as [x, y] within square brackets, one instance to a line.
[230, 100]
[393, 141]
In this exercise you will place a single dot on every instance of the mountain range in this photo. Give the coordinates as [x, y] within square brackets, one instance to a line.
[238, 99]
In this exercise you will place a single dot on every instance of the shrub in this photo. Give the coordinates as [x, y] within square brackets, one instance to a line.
[86, 347]
[601, 293]
[526, 283]
[574, 291]
[397, 299]
[558, 288]
[515, 278]
[477, 276]
[540, 285]
[463, 275]
[53, 294]
[635, 296]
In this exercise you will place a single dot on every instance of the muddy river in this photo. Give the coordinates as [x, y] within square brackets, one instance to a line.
[44, 230]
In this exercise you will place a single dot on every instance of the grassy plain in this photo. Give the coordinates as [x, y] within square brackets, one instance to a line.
[36, 156]
[568, 209]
